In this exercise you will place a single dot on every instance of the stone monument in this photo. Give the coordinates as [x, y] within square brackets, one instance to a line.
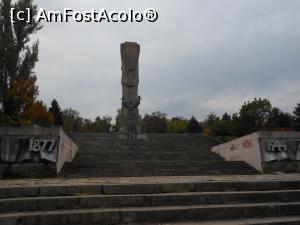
[129, 122]
[266, 151]
[34, 151]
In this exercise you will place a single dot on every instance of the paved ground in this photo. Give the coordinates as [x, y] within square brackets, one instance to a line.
[141, 180]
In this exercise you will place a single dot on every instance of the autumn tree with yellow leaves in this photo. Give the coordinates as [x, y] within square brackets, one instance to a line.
[18, 89]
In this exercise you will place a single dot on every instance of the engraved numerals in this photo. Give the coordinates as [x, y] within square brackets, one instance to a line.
[277, 146]
[42, 144]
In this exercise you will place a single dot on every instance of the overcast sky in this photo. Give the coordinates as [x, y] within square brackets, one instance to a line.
[199, 57]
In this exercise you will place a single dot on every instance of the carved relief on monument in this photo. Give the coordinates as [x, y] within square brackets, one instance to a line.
[280, 149]
[42, 144]
[45, 148]
[276, 146]
[29, 149]
[129, 122]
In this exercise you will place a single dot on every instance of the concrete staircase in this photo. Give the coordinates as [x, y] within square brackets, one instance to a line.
[103, 155]
[256, 201]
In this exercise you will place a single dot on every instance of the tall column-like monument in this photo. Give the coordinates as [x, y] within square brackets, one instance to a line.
[129, 122]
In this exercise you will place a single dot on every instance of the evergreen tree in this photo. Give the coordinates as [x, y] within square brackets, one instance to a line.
[193, 126]
[296, 124]
[285, 120]
[279, 120]
[57, 113]
[226, 117]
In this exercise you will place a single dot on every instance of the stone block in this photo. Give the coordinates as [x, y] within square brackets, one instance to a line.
[266, 151]
[34, 151]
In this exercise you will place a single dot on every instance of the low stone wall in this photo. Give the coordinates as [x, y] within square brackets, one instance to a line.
[265, 151]
[34, 151]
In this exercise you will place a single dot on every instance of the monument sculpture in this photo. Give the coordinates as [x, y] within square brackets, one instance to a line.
[129, 121]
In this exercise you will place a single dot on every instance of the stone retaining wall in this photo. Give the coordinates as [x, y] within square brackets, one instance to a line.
[29, 150]
[274, 151]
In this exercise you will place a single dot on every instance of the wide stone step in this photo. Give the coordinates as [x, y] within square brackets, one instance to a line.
[152, 200]
[151, 214]
[99, 172]
[282, 220]
[159, 162]
[146, 165]
[104, 175]
[124, 155]
[155, 173]
[163, 199]
[144, 188]
[149, 169]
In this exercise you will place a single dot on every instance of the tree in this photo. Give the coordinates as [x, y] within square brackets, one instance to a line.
[118, 121]
[24, 93]
[103, 124]
[72, 120]
[57, 113]
[254, 116]
[177, 125]
[285, 120]
[211, 118]
[214, 126]
[209, 124]
[193, 126]
[222, 128]
[235, 125]
[155, 123]
[279, 120]
[296, 123]
[17, 60]
[226, 117]
[87, 126]
[37, 114]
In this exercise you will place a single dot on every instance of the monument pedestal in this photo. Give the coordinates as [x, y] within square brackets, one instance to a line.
[138, 137]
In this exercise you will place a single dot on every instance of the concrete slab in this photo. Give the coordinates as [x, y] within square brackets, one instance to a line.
[145, 180]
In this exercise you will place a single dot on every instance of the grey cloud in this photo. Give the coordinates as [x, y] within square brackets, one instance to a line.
[200, 56]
